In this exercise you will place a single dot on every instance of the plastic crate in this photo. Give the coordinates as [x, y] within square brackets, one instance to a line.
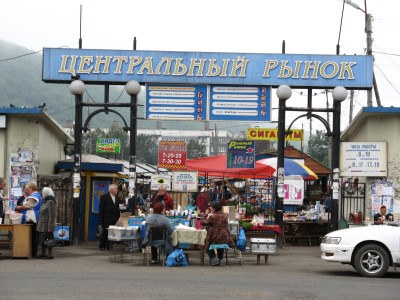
[121, 233]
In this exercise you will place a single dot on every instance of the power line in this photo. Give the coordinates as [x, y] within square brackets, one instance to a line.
[387, 79]
[386, 53]
[19, 56]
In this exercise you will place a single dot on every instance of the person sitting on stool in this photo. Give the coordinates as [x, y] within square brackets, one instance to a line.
[217, 233]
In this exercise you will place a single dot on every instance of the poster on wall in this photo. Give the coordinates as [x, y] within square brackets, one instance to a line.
[294, 192]
[100, 187]
[382, 193]
[22, 169]
[184, 181]
[160, 179]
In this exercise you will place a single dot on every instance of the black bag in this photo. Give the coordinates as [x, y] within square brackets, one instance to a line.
[50, 243]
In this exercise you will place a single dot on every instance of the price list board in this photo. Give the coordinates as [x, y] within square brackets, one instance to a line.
[240, 103]
[175, 102]
[363, 159]
[208, 102]
[172, 155]
[240, 154]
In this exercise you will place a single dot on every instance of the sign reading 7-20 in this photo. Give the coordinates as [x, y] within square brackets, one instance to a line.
[172, 155]
[240, 154]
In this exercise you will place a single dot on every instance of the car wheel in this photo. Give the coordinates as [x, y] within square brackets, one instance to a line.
[371, 261]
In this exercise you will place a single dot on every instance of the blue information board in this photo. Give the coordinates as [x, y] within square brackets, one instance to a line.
[240, 103]
[176, 102]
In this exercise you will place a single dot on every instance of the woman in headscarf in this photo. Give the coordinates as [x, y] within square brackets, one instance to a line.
[47, 222]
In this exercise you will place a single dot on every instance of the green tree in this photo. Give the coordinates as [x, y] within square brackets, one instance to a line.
[318, 147]
[195, 149]
[147, 149]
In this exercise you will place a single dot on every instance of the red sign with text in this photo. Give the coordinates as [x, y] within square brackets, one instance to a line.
[172, 155]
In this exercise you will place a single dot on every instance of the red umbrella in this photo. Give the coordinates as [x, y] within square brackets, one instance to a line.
[215, 166]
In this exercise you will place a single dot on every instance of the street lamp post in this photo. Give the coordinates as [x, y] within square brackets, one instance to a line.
[77, 88]
[339, 94]
[368, 32]
[283, 92]
[133, 89]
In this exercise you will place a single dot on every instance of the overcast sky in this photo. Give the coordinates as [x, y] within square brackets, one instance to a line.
[307, 26]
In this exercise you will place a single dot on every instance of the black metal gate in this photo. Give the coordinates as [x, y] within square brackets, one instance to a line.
[62, 187]
[352, 201]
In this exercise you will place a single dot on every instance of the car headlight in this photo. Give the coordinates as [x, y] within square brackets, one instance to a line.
[331, 240]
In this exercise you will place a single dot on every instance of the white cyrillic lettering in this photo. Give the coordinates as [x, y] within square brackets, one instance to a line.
[345, 67]
[194, 63]
[311, 66]
[148, 64]
[325, 65]
[239, 63]
[213, 69]
[269, 65]
[133, 62]
[99, 62]
[85, 61]
[119, 60]
[285, 69]
[63, 67]
[297, 69]
[225, 68]
[180, 69]
[167, 70]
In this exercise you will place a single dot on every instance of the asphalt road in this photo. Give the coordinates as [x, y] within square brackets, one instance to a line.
[83, 272]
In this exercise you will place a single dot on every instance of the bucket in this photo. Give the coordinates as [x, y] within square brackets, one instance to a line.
[16, 218]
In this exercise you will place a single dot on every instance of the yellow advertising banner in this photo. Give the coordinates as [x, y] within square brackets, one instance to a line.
[268, 134]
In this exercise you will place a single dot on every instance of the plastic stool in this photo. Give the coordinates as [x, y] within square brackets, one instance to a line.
[221, 246]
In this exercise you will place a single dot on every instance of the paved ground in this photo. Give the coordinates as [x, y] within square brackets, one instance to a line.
[84, 272]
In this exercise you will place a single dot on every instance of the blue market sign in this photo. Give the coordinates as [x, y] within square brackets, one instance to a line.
[207, 68]
[215, 103]
[240, 154]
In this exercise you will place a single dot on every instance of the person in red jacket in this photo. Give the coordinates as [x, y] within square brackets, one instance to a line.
[203, 200]
[162, 196]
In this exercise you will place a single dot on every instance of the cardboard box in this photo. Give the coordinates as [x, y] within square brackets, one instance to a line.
[230, 210]
[123, 219]
[262, 246]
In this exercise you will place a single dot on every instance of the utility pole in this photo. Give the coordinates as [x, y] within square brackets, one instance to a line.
[368, 31]
[351, 106]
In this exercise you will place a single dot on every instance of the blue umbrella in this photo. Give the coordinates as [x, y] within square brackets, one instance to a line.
[292, 167]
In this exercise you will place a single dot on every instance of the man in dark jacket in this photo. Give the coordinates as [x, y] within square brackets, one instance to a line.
[108, 214]
[2, 197]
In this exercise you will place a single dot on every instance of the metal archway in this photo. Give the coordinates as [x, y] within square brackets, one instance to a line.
[106, 110]
[308, 115]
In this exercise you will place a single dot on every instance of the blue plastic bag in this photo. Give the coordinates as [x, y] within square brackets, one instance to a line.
[176, 259]
[241, 241]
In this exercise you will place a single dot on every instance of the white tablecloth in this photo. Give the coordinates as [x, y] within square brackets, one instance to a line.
[196, 237]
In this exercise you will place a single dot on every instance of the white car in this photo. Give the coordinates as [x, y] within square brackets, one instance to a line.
[371, 250]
